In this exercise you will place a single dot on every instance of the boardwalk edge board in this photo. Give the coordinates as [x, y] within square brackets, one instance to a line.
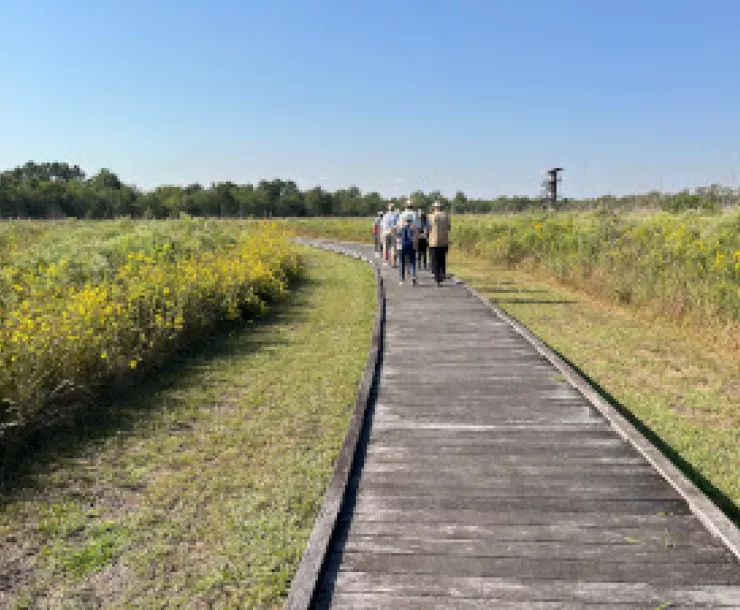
[705, 510]
[314, 556]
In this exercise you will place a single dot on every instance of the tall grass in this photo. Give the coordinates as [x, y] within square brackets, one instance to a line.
[88, 303]
[686, 265]
[343, 229]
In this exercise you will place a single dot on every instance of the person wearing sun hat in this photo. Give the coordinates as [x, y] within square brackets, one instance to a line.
[439, 241]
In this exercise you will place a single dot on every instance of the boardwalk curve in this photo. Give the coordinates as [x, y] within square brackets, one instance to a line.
[489, 474]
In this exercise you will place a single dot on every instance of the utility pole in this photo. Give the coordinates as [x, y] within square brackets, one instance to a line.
[552, 186]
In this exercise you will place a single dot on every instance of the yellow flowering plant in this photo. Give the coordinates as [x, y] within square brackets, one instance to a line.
[89, 302]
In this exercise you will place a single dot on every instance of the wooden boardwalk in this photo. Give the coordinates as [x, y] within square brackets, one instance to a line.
[487, 481]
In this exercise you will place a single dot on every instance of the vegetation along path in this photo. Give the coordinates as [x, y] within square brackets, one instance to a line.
[201, 490]
[487, 479]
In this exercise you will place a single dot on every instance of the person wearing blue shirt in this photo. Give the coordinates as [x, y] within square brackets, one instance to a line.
[407, 237]
[408, 212]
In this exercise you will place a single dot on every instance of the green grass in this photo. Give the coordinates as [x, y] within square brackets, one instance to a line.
[683, 390]
[202, 487]
[341, 229]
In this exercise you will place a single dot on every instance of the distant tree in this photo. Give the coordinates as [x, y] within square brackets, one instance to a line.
[105, 179]
[319, 202]
[372, 203]
[460, 201]
[56, 189]
[685, 200]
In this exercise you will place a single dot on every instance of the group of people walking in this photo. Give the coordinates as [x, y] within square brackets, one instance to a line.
[403, 239]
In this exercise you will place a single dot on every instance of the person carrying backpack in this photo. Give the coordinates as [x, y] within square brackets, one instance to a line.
[407, 236]
[407, 213]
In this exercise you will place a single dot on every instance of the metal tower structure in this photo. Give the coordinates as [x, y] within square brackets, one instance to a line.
[551, 187]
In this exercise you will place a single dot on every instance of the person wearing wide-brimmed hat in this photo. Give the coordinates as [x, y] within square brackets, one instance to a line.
[439, 241]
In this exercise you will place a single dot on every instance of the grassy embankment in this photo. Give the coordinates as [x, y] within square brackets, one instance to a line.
[647, 306]
[202, 484]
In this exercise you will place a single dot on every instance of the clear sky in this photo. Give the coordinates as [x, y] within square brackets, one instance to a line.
[390, 95]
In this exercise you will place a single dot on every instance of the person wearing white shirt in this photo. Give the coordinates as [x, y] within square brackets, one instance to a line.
[390, 224]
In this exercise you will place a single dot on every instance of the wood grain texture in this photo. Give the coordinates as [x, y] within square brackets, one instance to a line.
[488, 479]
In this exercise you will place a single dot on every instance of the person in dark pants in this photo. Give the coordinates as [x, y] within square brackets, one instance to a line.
[407, 252]
[422, 242]
[439, 241]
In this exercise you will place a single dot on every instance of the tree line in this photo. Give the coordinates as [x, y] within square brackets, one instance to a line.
[61, 190]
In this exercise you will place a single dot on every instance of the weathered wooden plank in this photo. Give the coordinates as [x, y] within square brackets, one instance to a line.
[444, 442]
[524, 488]
[511, 449]
[526, 517]
[473, 357]
[496, 469]
[458, 432]
[377, 601]
[497, 374]
[502, 589]
[367, 502]
[508, 446]
[595, 478]
[501, 377]
[661, 573]
[447, 401]
[380, 434]
[489, 415]
[530, 396]
[412, 426]
[555, 550]
[670, 533]
[510, 373]
[416, 460]
[458, 355]
[584, 491]
[479, 418]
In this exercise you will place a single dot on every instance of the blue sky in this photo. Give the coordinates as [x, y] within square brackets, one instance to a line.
[478, 95]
